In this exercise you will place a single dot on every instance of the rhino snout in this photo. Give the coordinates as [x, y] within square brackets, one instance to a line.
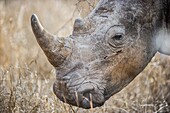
[85, 95]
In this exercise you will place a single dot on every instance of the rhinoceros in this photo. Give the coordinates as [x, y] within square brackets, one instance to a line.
[106, 50]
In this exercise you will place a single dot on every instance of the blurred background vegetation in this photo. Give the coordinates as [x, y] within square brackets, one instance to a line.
[26, 77]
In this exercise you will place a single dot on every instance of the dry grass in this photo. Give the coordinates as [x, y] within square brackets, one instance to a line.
[26, 77]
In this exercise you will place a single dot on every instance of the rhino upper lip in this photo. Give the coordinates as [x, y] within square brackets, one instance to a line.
[81, 100]
[87, 103]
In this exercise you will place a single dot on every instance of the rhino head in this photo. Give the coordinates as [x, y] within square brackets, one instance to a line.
[106, 50]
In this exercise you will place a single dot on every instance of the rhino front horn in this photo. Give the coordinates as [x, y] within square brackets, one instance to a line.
[56, 49]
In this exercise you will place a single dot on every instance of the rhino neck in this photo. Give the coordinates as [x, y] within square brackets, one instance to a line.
[163, 34]
[166, 13]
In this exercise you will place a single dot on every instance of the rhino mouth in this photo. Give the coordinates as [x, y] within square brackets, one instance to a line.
[79, 99]
[82, 92]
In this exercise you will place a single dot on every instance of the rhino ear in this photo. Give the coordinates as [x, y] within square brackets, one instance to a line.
[163, 43]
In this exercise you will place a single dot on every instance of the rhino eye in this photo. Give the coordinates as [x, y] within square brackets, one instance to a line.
[117, 37]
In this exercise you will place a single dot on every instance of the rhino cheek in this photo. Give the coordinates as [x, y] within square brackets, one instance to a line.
[134, 60]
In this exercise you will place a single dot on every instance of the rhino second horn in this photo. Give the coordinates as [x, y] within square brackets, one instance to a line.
[52, 46]
[78, 25]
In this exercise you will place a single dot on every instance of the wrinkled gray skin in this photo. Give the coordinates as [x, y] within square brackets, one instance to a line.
[107, 49]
